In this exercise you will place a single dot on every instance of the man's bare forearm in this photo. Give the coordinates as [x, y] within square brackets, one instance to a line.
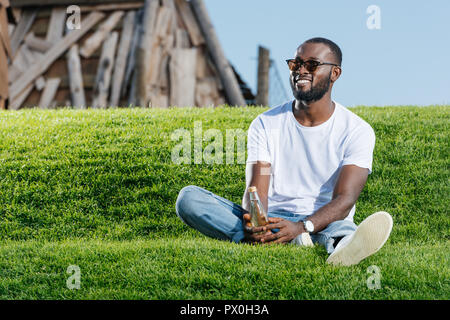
[336, 209]
[350, 183]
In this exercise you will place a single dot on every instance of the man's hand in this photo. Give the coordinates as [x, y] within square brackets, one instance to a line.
[288, 230]
[251, 234]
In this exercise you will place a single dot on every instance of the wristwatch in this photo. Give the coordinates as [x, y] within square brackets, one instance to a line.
[309, 226]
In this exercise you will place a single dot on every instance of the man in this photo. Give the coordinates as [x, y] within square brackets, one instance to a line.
[309, 159]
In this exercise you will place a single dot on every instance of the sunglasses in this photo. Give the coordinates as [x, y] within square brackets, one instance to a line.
[310, 65]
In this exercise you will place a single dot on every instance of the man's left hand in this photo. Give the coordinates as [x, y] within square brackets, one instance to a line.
[288, 230]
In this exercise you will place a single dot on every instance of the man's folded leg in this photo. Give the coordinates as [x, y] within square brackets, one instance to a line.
[212, 215]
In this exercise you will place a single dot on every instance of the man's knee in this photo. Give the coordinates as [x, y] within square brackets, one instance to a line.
[186, 201]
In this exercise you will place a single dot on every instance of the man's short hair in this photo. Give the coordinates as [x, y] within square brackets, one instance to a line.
[333, 47]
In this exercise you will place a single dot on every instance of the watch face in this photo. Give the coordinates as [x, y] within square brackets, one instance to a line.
[309, 226]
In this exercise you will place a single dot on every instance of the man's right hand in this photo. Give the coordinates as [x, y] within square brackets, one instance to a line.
[251, 234]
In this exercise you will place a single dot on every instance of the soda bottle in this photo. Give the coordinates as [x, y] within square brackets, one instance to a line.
[257, 213]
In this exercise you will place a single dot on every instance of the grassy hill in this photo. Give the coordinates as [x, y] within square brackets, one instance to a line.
[97, 188]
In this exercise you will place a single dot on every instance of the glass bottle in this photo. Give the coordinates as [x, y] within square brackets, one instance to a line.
[257, 213]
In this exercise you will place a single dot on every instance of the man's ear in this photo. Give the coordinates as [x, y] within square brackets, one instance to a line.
[335, 73]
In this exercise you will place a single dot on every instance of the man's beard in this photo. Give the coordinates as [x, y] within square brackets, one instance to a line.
[315, 93]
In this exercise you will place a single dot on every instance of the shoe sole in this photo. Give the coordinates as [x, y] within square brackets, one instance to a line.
[368, 238]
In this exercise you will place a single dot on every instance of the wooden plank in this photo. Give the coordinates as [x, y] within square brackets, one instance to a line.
[143, 52]
[182, 39]
[13, 73]
[37, 44]
[57, 24]
[163, 24]
[26, 20]
[182, 77]
[112, 7]
[50, 56]
[174, 21]
[206, 92]
[163, 73]
[262, 95]
[76, 78]
[189, 20]
[18, 65]
[49, 92]
[203, 69]
[161, 43]
[40, 28]
[203, 94]
[155, 62]
[94, 41]
[121, 60]
[159, 100]
[226, 73]
[19, 99]
[131, 62]
[24, 59]
[28, 55]
[25, 3]
[105, 66]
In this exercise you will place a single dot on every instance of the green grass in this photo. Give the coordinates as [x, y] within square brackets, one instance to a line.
[97, 189]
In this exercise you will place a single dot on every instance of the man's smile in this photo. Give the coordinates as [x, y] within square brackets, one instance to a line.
[301, 81]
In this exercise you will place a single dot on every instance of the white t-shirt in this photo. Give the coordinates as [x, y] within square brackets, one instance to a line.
[306, 161]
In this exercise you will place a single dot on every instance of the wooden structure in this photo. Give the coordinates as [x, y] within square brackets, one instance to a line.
[152, 53]
[5, 53]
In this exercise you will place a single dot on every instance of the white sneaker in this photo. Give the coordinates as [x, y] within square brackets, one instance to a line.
[367, 239]
[303, 239]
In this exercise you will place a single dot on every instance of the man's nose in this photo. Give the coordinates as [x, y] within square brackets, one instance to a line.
[303, 70]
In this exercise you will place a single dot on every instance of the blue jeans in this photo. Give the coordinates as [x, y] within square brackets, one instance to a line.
[219, 218]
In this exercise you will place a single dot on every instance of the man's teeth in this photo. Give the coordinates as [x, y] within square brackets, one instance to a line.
[303, 81]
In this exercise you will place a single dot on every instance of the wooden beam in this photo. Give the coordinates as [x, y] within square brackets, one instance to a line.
[143, 52]
[26, 3]
[56, 25]
[25, 58]
[182, 39]
[37, 44]
[226, 73]
[130, 73]
[112, 7]
[49, 92]
[182, 77]
[162, 41]
[26, 20]
[94, 41]
[50, 56]
[105, 66]
[192, 27]
[18, 100]
[171, 5]
[262, 95]
[76, 78]
[206, 92]
[122, 54]
[163, 24]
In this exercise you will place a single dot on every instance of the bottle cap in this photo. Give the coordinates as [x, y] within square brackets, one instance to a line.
[252, 189]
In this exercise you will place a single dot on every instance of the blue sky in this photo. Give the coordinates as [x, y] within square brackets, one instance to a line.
[405, 62]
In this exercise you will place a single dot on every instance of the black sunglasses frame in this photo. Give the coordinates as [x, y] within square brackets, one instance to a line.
[299, 63]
